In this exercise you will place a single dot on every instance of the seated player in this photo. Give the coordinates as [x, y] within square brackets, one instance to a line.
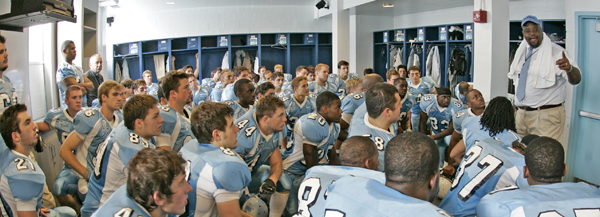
[358, 157]
[439, 110]
[193, 84]
[239, 72]
[215, 76]
[361, 110]
[176, 127]
[461, 90]
[391, 75]
[300, 71]
[244, 91]
[127, 83]
[418, 87]
[299, 103]
[320, 83]
[489, 165]
[352, 101]
[474, 108]
[310, 74]
[402, 71]
[151, 88]
[202, 95]
[264, 89]
[138, 87]
[217, 92]
[162, 173]
[61, 120]
[411, 175]
[344, 76]
[383, 106]
[142, 122]
[217, 174]
[254, 78]
[408, 100]
[314, 138]
[267, 77]
[92, 126]
[546, 195]
[277, 80]
[497, 121]
[259, 140]
[22, 180]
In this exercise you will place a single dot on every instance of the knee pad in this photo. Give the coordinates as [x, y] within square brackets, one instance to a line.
[284, 183]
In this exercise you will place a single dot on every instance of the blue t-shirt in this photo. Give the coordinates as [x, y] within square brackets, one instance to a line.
[356, 196]
[559, 199]
[362, 127]
[176, 129]
[8, 96]
[216, 174]
[487, 166]
[472, 132]
[440, 117]
[313, 189]
[255, 147]
[121, 204]
[64, 71]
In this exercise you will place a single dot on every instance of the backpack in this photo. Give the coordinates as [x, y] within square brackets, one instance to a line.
[458, 62]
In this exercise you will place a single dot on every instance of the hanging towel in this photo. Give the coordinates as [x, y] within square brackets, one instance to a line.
[225, 63]
[432, 64]
[159, 65]
[398, 58]
[239, 56]
[117, 76]
[411, 58]
[125, 72]
[247, 61]
[392, 55]
[256, 64]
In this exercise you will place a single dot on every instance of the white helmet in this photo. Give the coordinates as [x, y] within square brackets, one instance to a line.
[256, 207]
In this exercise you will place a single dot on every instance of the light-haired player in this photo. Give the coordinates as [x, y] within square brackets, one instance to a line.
[321, 84]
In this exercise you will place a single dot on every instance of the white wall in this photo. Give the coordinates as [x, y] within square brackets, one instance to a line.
[365, 26]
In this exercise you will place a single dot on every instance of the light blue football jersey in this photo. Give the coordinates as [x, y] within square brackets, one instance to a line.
[215, 95]
[294, 110]
[316, 89]
[215, 174]
[313, 189]
[238, 110]
[472, 132]
[460, 97]
[21, 184]
[559, 199]
[93, 128]
[228, 93]
[339, 83]
[408, 102]
[439, 117]
[355, 196]
[487, 166]
[202, 95]
[96, 103]
[460, 117]
[176, 128]
[210, 82]
[66, 70]
[8, 96]
[284, 93]
[255, 147]
[121, 204]
[60, 120]
[419, 91]
[110, 172]
[362, 127]
[351, 102]
[287, 77]
[152, 90]
[314, 130]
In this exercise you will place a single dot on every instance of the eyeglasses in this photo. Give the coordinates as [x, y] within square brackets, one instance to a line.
[532, 30]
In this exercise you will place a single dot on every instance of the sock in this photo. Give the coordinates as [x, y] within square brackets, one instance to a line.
[277, 204]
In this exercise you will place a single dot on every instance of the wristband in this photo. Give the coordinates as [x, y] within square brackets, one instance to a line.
[571, 69]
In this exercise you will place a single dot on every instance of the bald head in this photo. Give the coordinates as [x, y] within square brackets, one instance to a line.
[356, 150]
[371, 79]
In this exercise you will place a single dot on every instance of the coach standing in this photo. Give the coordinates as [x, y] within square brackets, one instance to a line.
[540, 71]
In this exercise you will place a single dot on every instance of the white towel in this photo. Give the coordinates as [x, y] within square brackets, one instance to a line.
[125, 70]
[159, 65]
[225, 62]
[543, 68]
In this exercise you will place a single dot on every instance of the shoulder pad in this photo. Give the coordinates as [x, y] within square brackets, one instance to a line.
[85, 120]
[231, 175]
[25, 183]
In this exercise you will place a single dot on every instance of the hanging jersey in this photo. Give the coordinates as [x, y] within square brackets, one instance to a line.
[362, 127]
[407, 103]
[215, 95]
[355, 196]
[152, 90]
[202, 95]
[339, 83]
[113, 157]
[176, 129]
[255, 147]
[21, 184]
[216, 175]
[559, 199]
[64, 71]
[238, 110]
[316, 89]
[460, 117]
[121, 204]
[294, 110]
[8, 96]
[314, 130]
[93, 128]
[60, 120]
[472, 132]
[487, 166]
[313, 189]
[439, 117]
[419, 90]
[210, 82]
[350, 103]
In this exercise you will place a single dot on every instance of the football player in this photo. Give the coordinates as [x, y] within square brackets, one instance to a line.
[7, 91]
[408, 100]
[352, 101]
[215, 75]
[299, 103]
[321, 84]
[151, 88]
[239, 72]
[264, 89]
[418, 87]
[244, 91]
[68, 74]
[225, 79]
[176, 127]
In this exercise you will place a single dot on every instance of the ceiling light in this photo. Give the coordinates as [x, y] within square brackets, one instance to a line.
[170, 3]
[388, 5]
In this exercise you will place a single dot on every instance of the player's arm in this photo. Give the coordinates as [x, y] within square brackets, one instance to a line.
[26, 213]
[343, 125]
[311, 155]
[458, 151]
[72, 142]
[423, 123]
[408, 119]
[276, 165]
[333, 157]
[343, 135]
[70, 81]
[229, 208]
[43, 126]
[197, 71]
[444, 133]
[173, 63]
[87, 83]
[453, 141]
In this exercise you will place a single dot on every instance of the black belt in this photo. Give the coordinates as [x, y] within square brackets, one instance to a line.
[526, 108]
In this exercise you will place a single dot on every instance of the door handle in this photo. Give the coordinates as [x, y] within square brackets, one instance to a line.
[589, 115]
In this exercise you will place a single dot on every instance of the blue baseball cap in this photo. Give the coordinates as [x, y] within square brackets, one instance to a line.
[530, 18]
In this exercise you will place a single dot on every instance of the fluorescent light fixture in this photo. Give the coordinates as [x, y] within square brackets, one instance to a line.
[170, 3]
[388, 5]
